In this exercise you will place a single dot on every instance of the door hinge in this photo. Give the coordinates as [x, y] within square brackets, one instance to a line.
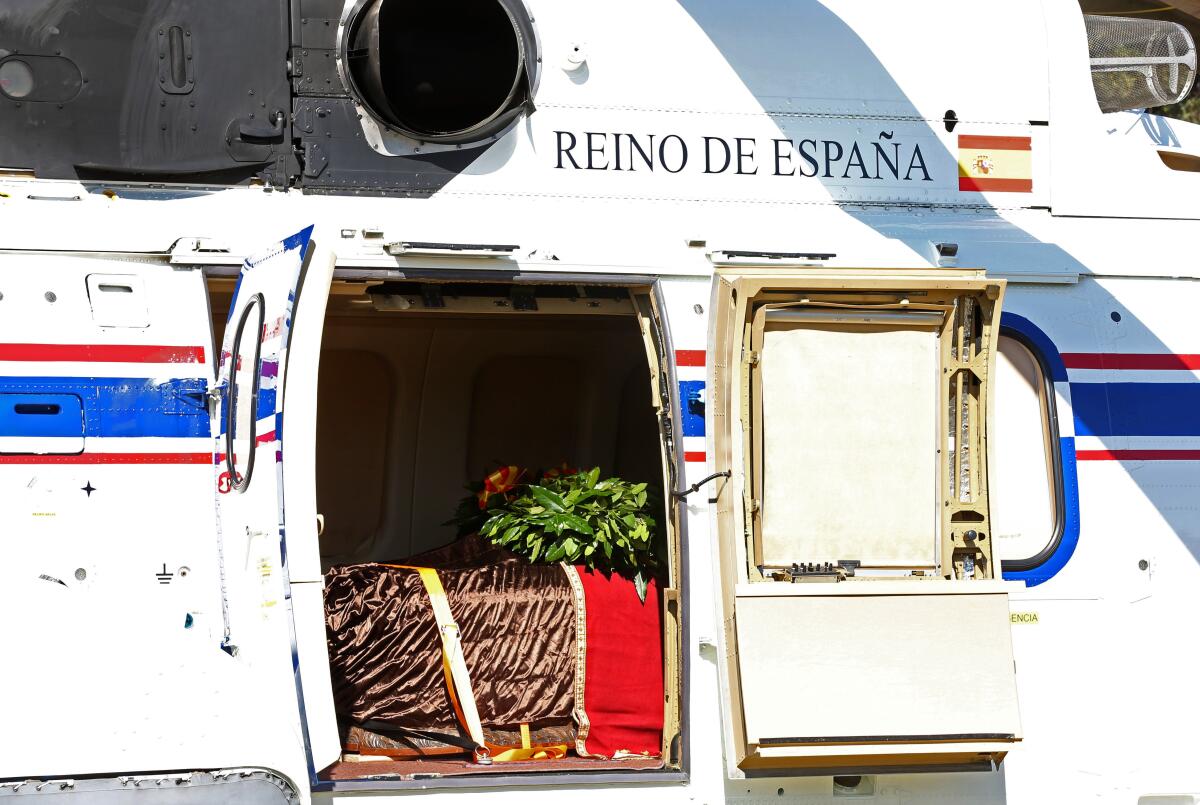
[184, 397]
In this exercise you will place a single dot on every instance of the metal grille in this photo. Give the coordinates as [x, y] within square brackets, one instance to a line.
[1138, 63]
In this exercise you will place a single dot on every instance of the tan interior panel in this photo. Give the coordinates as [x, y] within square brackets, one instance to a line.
[856, 667]
[350, 431]
[513, 389]
[849, 434]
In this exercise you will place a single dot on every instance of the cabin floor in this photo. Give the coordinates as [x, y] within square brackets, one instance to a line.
[425, 768]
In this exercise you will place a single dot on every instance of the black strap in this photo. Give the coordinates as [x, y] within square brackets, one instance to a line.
[407, 732]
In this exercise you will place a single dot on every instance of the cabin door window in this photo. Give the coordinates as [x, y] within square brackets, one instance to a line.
[1026, 496]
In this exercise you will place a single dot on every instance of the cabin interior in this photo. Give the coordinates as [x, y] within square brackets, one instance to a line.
[424, 388]
[414, 403]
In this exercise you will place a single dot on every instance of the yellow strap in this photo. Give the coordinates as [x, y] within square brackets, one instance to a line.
[544, 752]
[454, 668]
[454, 663]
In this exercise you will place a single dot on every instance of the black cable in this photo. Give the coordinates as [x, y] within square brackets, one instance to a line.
[696, 486]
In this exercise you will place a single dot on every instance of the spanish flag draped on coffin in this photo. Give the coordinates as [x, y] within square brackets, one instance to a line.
[560, 659]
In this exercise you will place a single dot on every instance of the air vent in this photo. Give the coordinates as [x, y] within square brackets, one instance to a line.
[1137, 64]
[454, 71]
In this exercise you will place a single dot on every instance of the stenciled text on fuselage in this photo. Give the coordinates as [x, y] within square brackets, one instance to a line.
[884, 158]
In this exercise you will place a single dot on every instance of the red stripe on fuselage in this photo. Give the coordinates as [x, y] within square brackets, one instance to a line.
[993, 143]
[1130, 360]
[101, 353]
[1137, 455]
[689, 357]
[112, 458]
[986, 185]
[261, 438]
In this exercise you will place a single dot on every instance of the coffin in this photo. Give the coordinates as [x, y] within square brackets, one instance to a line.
[563, 654]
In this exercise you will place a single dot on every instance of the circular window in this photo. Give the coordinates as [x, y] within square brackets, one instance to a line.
[451, 71]
[16, 79]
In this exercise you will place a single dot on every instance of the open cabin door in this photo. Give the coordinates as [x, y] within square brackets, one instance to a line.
[271, 579]
[248, 430]
[866, 628]
[258, 599]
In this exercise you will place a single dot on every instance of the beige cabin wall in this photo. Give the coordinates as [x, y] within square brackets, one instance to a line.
[411, 407]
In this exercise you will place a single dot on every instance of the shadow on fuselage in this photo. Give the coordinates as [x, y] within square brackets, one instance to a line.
[782, 50]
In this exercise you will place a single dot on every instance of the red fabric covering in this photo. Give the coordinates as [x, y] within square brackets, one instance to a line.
[623, 688]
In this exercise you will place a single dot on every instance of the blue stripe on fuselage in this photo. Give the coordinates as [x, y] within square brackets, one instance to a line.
[127, 406]
[691, 414]
[266, 404]
[1101, 409]
[1136, 409]
[176, 408]
[41, 415]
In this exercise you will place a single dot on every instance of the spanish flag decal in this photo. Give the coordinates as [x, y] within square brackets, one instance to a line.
[988, 164]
